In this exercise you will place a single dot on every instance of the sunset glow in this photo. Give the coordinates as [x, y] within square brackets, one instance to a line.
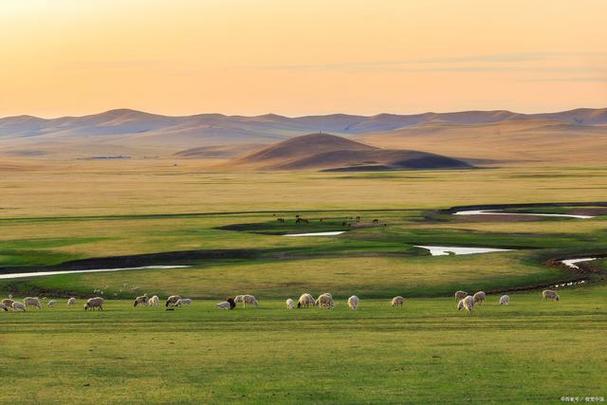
[249, 57]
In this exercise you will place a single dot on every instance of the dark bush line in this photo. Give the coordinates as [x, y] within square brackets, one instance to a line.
[146, 259]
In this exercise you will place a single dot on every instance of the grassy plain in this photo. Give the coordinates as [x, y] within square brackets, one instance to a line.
[529, 352]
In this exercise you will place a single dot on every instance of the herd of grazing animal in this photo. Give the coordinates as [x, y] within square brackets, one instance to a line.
[345, 223]
[468, 302]
[464, 300]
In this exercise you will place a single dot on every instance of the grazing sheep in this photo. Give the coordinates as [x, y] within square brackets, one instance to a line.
[353, 302]
[325, 301]
[7, 302]
[183, 301]
[249, 299]
[460, 295]
[4, 307]
[504, 300]
[172, 300]
[227, 304]
[51, 303]
[479, 297]
[398, 301]
[141, 300]
[32, 302]
[71, 301]
[550, 295]
[94, 303]
[17, 306]
[290, 303]
[154, 301]
[305, 300]
[466, 303]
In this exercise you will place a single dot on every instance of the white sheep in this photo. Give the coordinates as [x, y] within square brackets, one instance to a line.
[246, 299]
[397, 301]
[71, 301]
[305, 300]
[32, 302]
[94, 303]
[172, 300]
[479, 297]
[51, 303]
[183, 301]
[466, 303]
[325, 300]
[290, 303]
[249, 299]
[504, 300]
[8, 302]
[17, 306]
[353, 302]
[154, 301]
[228, 304]
[550, 295]
[460, 295]
[141, 300]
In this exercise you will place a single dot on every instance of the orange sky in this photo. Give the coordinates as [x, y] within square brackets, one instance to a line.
[73, 57]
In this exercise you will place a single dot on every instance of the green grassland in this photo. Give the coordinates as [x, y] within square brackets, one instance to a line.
[427, 352]
[224, 227]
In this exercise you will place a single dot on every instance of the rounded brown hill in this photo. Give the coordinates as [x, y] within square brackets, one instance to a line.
[330, 152]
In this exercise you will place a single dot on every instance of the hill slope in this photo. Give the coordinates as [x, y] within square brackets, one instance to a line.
[514, 142]
[330, 152]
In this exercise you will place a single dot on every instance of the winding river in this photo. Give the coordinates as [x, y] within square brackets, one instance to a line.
[532, 214]
[332, 233]
[54, 273]
[459, 250]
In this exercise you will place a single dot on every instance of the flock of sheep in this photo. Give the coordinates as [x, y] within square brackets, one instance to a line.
[325, 300]
[467, 302]
[35, 302]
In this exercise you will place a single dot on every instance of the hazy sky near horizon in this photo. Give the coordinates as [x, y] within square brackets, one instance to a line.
[249, 57]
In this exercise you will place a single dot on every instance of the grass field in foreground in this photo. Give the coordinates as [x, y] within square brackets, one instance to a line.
[528, 352]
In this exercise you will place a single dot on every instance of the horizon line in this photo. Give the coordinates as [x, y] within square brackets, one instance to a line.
[292, 117]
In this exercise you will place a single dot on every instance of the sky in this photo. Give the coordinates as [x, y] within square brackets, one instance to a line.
[290, 57]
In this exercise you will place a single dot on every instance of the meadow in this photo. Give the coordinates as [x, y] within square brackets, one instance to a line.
[224, 226]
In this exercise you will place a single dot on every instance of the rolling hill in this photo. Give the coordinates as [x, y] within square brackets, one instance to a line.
[528, 142]
[329, 152]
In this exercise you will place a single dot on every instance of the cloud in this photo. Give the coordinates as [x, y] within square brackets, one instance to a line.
[579, 79]
[499, 62]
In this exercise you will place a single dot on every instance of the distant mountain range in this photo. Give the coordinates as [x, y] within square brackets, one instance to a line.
[135, 133]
